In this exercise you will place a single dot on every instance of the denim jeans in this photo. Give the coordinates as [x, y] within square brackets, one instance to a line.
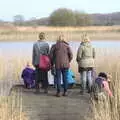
[62, 71]
[86, 75]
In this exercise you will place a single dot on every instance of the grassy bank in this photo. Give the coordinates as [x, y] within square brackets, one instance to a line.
[71, 33]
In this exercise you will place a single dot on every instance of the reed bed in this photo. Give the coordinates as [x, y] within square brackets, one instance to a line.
[71, 33]
[106, 61]
[109, 108]
[11, 108]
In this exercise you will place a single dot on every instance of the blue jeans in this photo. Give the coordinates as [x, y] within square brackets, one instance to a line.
[62, 71]
[86, 75]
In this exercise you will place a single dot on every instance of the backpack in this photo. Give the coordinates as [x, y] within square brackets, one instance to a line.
[97, 88]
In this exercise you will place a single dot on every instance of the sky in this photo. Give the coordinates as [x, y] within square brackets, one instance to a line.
[43, 8]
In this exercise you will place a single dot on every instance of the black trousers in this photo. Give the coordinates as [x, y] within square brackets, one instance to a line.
[41, 76]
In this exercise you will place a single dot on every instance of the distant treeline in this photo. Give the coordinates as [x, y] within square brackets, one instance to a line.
[68, 17]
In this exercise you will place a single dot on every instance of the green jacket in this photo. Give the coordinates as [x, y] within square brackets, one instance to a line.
[85, 55]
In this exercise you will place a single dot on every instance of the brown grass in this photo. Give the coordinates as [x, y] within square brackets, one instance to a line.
[71, 33]
[106, 61]
[11, 108]
[109, 109]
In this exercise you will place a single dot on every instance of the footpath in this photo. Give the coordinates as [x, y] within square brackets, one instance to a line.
[48, 107]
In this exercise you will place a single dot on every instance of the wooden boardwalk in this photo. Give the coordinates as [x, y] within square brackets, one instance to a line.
[48, 107]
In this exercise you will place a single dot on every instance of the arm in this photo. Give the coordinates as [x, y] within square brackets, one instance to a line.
[33, 55]
[94, 53]
[107, 89]
[52, 56]
[79, 54]
[48, 48]
[70, 54]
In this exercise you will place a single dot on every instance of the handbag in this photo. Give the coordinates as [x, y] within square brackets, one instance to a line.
[44, 62]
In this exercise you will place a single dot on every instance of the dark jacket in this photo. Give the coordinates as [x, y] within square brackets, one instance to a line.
[39, 48]
[28, 75]
[52, 57]
[61, 55]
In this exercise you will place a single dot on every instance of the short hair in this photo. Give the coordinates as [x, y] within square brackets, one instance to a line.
[102, 74]
[41, 35]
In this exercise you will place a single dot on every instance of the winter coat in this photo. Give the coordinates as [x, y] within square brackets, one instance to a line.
[61, 55]
[86, 55]
[39, 48]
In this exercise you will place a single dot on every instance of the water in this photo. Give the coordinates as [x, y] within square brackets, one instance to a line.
[21, 50]
[25, 48]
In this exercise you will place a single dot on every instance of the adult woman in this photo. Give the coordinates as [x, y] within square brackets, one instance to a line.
[85, 59]
[61, 55]
[40, 48]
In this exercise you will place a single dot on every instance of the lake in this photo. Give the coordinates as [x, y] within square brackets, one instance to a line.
[25, 48]
[105, 51]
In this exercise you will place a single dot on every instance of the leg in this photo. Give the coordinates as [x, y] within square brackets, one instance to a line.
[37, 79]
[58, 80]
[90, 80]
[43, 77]
[55, 79]
[83, 80]
[65, 81]
[45, 81]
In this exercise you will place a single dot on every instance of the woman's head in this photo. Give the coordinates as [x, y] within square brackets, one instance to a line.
[41, 36]
[85, 38]
[61, 37]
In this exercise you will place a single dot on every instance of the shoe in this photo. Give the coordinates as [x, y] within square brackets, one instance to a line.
[46, 91]
[58, 95]
[65, 94]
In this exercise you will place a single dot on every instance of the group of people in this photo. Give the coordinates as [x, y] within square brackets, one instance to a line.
[61, 56]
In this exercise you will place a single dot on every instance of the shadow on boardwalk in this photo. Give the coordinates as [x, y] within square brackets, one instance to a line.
[49, 107]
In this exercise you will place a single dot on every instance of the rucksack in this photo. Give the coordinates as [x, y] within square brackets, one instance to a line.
[97, 88]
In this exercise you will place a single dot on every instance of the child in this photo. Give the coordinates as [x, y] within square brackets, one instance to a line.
[28, 75]
[101, 86]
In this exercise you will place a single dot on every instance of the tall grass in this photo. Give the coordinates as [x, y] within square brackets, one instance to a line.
[106, 61]
[109, 108]
[72, 33]
[11, 106]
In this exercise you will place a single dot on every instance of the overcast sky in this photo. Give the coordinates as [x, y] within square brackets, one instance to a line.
[43, 8]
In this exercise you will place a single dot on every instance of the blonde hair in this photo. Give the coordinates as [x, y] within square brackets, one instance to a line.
[85, 38]
[61, 37]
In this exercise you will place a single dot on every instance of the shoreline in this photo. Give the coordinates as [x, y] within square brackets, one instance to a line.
[96, 33]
